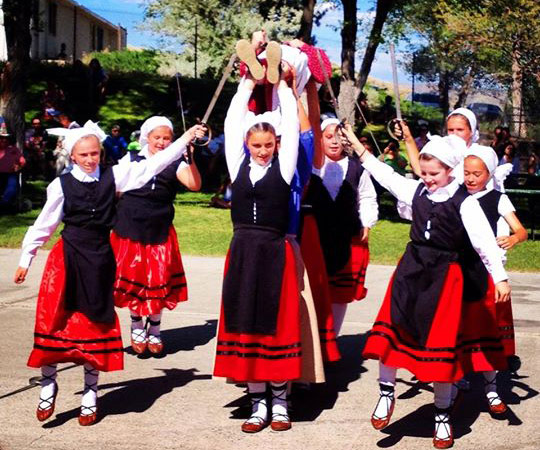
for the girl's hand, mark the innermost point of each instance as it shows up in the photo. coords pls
(20, 275)
(195, 132)
(365, 235)
(351, 137)
(401, 129)
(502, 292)
(507, 242)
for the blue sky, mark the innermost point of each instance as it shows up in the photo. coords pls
(129, 13)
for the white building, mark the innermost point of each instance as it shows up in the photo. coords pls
(82, 31)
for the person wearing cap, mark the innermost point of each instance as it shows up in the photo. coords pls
(114, 145)
(418, 326)
(489, 320)
(259, 336)
(11, 162)
(344, 204)
(150, 276)
(75, 317)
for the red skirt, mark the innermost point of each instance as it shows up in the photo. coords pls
(347, 285)
(438, 359)
(480, 341)
(318, 281)
(254, 357)
(69, 336)
(505, 323)
(149, 277)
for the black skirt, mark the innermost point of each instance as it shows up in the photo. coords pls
(252, 285)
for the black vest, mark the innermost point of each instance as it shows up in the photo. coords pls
(337, 220)
(266, 204)
(145, 214)
(89, 210)
(90, 205)
(490, 206)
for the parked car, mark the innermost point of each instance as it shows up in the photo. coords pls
(427, 99)
(486, 111)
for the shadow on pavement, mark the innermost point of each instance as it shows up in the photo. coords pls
(308, 404)
(181, 339)
(136, 395)
(420, 423)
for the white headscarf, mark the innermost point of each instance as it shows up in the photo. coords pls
(473, 123)
(329, 121)
(151, 124)
(486, 154)
(73, 135)
(271, 117)
(448, 149)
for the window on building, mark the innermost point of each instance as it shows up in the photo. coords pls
(97, 38)
(53, 10)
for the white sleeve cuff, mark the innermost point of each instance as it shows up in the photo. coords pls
(26, 260)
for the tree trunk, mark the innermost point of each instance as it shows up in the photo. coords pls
(347, 91)
(465, 89)
(383, 8)
(306, 23)
(17, 15)
(444, 88)
(519, 128)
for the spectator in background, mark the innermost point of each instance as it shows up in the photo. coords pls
(11, 162)
(497, 136)
(392, 157)
(62, 54)
(533, 163)
(115, 146)
(35, 143)
(510, 156)
(422, 139)
(52, 100)
(134, 145)
(365, 141)
(98, 81)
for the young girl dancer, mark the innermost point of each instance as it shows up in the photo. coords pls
(344, 204)
(418, 323)
(479, 166)
(150, 275)
(75, 318)
(259, 330)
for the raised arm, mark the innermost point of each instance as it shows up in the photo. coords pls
(412, 149)
(400, 187)
(288, 152)
(43, 228)
(234, 127)
(314, 111)
(137, 173)
(483, 240)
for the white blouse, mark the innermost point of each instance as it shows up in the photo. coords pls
(126, 177)
(234, 136)
(333, 174)
(473, 218)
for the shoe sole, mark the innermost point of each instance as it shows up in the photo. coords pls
(273, 59)
(246, 54)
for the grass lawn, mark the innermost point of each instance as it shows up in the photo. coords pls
(207, 231)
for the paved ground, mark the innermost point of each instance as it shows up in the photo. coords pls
(172, 402)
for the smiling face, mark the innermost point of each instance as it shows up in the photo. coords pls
(459, 125)
(261, 146)
(86, 153)
(476, 174)
(159, 139)
(434, 174)
(331, 144)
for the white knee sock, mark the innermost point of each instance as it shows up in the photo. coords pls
(259, 409)
(442, 393)
(48, 384)
(338, 311)
(490, 382)
(279, 401)
(89, 397)
(387, 383)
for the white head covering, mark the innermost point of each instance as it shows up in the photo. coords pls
(72, 135)
(486, 154)
(271, 117)
(151, 124)
(469, 115)
(329, 121)
(448, 149)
